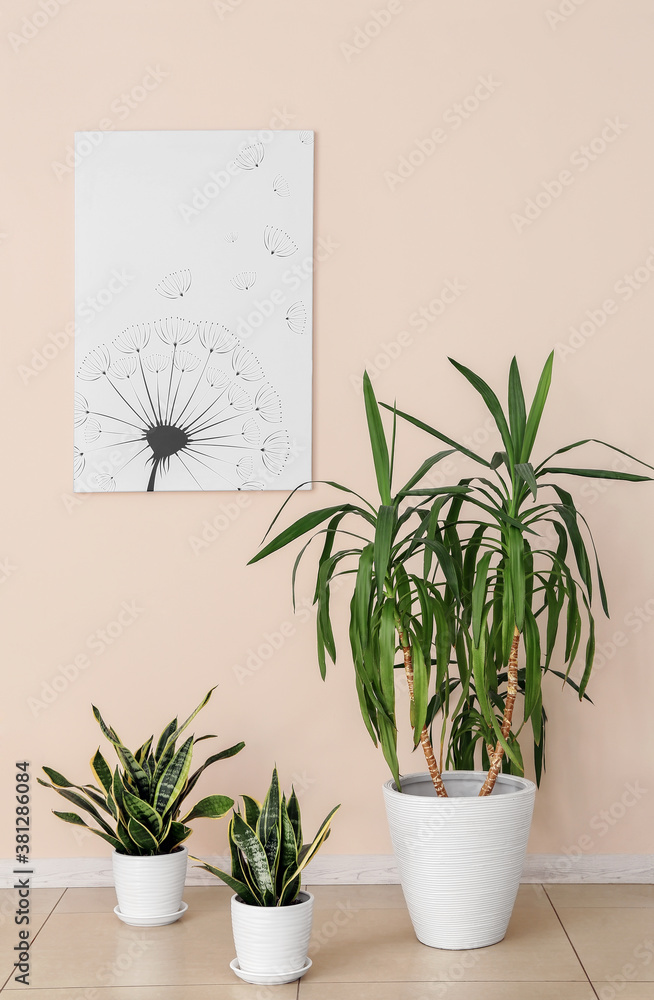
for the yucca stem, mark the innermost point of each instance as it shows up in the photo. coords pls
(425, 741)
(512, 691)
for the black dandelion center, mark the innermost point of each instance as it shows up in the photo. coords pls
(192, 396)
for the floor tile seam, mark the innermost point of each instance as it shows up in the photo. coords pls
(570, 941)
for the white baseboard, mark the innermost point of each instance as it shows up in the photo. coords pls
(349, 869)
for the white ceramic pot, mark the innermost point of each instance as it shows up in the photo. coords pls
(149, 890)
(272, 942)
(460, 858)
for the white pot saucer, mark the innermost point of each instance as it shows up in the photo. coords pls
(268, 978)
(166, 918)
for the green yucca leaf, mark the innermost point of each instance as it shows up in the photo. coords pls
(377, 442)
(493, 404)
(536, 409)
(526, 472)
(517, 412)
(386, 518)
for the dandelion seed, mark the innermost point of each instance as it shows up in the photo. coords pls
(174, 285)
(78, 461)
(95, 365)
(105, 483)
(275, 451)
(81, 409)
(254, 485)
(93, 430)
(246, 366)
(244, 280)
(278, 243)
(306, 137)
(250, 432)
(215, 337)
(123, 368)
(238, 398)
(216, 378)
(268, 404)
(175, 331)
(156, 363)
(186, 362)
(244, 467)
(296, 317)
(231, 237)
(251, 156)
(133, 339)
(281, 187)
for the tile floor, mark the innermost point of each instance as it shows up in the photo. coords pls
(565, 942)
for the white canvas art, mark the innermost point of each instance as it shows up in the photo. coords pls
(193, 297)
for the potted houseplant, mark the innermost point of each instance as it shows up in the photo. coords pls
(455, 578)
(136, 808)
(271, 916)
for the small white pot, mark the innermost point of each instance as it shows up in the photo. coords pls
(272, 941)
(460, 858)
(149, 890)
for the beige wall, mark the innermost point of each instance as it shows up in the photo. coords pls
(552, 82)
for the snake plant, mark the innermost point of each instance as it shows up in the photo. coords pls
(267, 852)
(137, 806)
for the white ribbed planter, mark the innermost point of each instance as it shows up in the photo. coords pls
(460, 858)
(272, 940)
(150, 889)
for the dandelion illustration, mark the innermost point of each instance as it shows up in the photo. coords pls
(306, 137)
(95, 365)
(81, 409)
(231, 237)
(246, 366)
(279, 243)
(268, 405)
(92, 431)
(174, 285)
(216, 337)
(171, 398)
(175, 331)
(280, 186)
(251, 156)
(245, 467)
(296, 317)
(275, 451)
(244, 280)
(123, 367)
(105, 483)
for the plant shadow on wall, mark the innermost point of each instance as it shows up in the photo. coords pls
(194, 402)
(458, 579)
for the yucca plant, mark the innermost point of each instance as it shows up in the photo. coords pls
(454, 578)
(137, 806)
(267, 852)
(514, 587)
